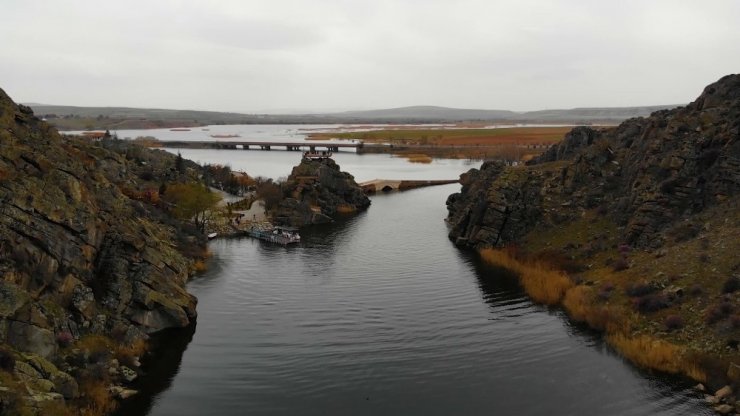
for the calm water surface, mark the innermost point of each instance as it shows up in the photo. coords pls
(381, 315)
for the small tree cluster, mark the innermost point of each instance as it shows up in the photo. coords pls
(191, 202)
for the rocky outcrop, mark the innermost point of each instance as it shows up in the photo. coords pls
(78, 258)
(317, 191)
(647, 174)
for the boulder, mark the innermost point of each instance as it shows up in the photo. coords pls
(128, 374)
(27, 337)
(724, 409)
(723, 393)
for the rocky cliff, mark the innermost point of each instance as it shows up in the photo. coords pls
(317, 191)
(86, 271)
(644, 218)
(647, 174)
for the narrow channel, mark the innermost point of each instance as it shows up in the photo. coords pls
(381, 314)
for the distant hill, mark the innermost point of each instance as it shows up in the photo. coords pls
(595, 113)
(80, 118)
(429, 112)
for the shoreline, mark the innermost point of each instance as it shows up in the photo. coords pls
(549, 286)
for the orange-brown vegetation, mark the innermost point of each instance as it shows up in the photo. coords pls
(581, 304)
(148, 141)
(199, 266)
(649, 352)
(346, 209)
(456, 137)
(513, 143)
(418, 158)
(545, 284)
(96, 398)
(542, 283)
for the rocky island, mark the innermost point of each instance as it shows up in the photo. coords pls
(317, 191)
(634, 230)
(90, 265)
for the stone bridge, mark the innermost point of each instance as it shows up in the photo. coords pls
(388, 185)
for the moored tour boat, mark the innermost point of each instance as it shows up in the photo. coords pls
(275, 234)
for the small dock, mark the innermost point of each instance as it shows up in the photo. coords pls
(388, 185)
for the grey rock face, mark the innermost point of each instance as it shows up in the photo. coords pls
(647, 174)
(318, 191)
(78, 257)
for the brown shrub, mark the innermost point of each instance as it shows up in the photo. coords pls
(129, 354)
(620, 264)
(673, 322)
(96, 398)
(718, 312)
(640, 289)
(650, 303)
(730, 285)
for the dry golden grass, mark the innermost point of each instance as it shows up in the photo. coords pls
(418, 158)
(97, 399)
(551, 287)
(581, 306)
(648, 352)
(94, 343)
(57, 409)
(542, 283)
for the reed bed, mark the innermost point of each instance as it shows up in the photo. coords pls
(541, 282)
(552, 287)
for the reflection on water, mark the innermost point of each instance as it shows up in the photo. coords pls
(161, 369)
(381, 314)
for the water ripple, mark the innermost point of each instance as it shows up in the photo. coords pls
(382, 315)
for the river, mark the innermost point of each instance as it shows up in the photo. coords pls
(381, 314)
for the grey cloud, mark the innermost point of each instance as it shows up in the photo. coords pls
(244, 55)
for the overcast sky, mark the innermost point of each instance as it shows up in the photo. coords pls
(319, 55)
